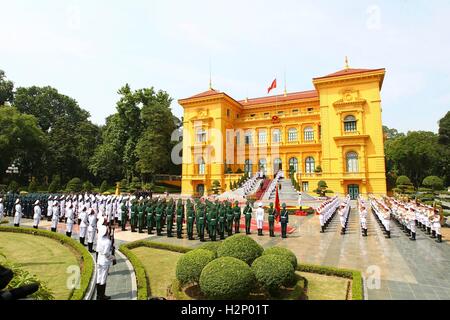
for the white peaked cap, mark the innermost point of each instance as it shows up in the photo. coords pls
(102, 230)
(260, 204)
(141, 198)
(17, 201)
(37, 202)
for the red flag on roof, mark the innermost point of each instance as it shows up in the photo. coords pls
(272, 86)
(277, 205)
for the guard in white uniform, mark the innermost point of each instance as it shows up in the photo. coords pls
(412, 223)
(260, 219)
(437, 225)
(92, 227)
(55, 216)
(104, 261)
(37, 214)
(2, 210)
(83, 224)
(363, 219)
(49, 208)
(17, 213)
(70, 212)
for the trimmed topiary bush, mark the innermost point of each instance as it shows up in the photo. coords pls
(191, 264)
(283, 252)
(273, 271)
(212, 246)
(74, 185)
(227, 278)
(434, 183)
(241, 247)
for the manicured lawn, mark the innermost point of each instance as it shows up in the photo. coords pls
(322, 287)
(43, 257)
(160, 266)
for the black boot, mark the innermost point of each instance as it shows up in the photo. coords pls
(322, 229)
(67, 234)
(388, 235)
(82, 240)
(105, 297)
(99, 293)
(90, 245)
(35, 227)
(428, 230)
(439, 238)
(413, 236)
(433, 234)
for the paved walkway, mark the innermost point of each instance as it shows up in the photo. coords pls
(121, 284)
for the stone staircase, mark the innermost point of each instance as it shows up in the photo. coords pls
(287, 191)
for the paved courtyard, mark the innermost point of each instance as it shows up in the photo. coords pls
(395, 268)
(407, 269)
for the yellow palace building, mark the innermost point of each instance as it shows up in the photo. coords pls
(333, 133)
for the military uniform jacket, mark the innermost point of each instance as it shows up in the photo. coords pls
(284, 216)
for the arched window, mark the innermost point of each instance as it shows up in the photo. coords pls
(201, 166)
(201, 135)
(350, 124)
(352, 162)
(293, 163)
(276, 136)
(308, 134)
(248, 167)
(292, 135)
(310, 165)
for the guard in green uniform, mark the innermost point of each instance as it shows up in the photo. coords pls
(141, 216)
(248, 217)
(222, 215)
(229, 219)
(201, 222)
(169, 215)
(284, 219)
(150, 217)
(159, 214)
(190, 220)
(237, 217)
(134, 216)
(272, 220)
(124, 215)
(213, 223)
(180, 218)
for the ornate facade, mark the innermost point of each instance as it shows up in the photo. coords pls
(333, 133)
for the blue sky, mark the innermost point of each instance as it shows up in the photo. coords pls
(89, 49)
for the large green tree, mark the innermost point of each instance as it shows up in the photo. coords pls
(444, 130)
(6, 89)
(71, 137)
(416, 155)
(21, 141)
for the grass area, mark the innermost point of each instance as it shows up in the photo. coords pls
(322, 287)
(43, 257)
(160, 267)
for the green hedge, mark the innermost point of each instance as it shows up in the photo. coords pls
(355, 276)
(143, 281)
(242, 247)
(273, 271)
(85, 258)
(141, 276)
(227, 278)
(191, 264)
(284, 252)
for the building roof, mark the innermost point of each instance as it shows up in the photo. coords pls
(349, 71)
(207, 93)
(311, 94)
